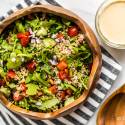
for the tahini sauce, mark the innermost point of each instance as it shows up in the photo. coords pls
(112, 22)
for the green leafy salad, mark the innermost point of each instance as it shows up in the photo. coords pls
(45, 62)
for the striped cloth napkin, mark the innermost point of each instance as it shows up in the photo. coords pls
(109, 72)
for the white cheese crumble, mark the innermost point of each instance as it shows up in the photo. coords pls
(13, 59)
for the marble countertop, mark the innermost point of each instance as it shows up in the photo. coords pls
(87, 10)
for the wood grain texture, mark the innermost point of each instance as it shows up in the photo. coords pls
(92, 41)
(112, 112)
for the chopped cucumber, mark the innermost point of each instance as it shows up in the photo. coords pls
(41, 32)
(5, 91)
(49, 104)
(49, 42)
(69, 100)
(32, 89)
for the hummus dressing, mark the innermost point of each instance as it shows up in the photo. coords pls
(112, 22)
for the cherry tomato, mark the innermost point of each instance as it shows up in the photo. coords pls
(24, 41)
(23, 86)
(62, 95)
(27, 34)
(62, 65)
(11, 74)
(24, 38)
(17, 96)
(31, 66)
(72, 31)
(20, 35)
(60, 36)
(62, 75)
(53, 89)
(2, 82)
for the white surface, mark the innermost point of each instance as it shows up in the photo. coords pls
(87, 10)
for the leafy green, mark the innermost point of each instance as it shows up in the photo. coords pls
(32, 89)
(49, 104)
(36, 77)
(69, 100)
(5, 91)
(6, 46)
(11, 85)
(24, 104)
(34, 24)
(49, 42)
(41, 32)
(67, 86)
(20, 27)
(2, 73)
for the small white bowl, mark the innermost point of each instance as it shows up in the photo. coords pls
(101, 9)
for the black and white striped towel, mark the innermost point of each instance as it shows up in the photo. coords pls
(109, 72)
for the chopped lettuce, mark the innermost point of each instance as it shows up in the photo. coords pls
(5, 91)
(49, 104)
(20, 27)
(69, 100)
(32, 89)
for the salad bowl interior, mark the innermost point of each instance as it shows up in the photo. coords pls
(95, 64)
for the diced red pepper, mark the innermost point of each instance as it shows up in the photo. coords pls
(17, 96)
(53, 89)
(23, 86)
(63, 75)
(60, 36)
(31, 66)
(62, 65)
(11, 74)
(72, 31)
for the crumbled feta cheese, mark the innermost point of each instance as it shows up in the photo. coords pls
(38, 40)
(30, 30)
(81, 37)
(38, 103)
(33, 40)
(58, 81)
(59, 88)
(22, 59)
(57, 40)
(53, 62)
(13, 59)
(53, 36)
(55, 57)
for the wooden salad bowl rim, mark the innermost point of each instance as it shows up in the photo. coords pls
(96, 67)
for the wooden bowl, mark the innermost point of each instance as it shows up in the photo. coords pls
(96, 67)
(112, 111)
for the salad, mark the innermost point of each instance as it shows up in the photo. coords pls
(45, 62)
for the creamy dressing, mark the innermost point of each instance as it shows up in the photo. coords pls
(112, 22)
